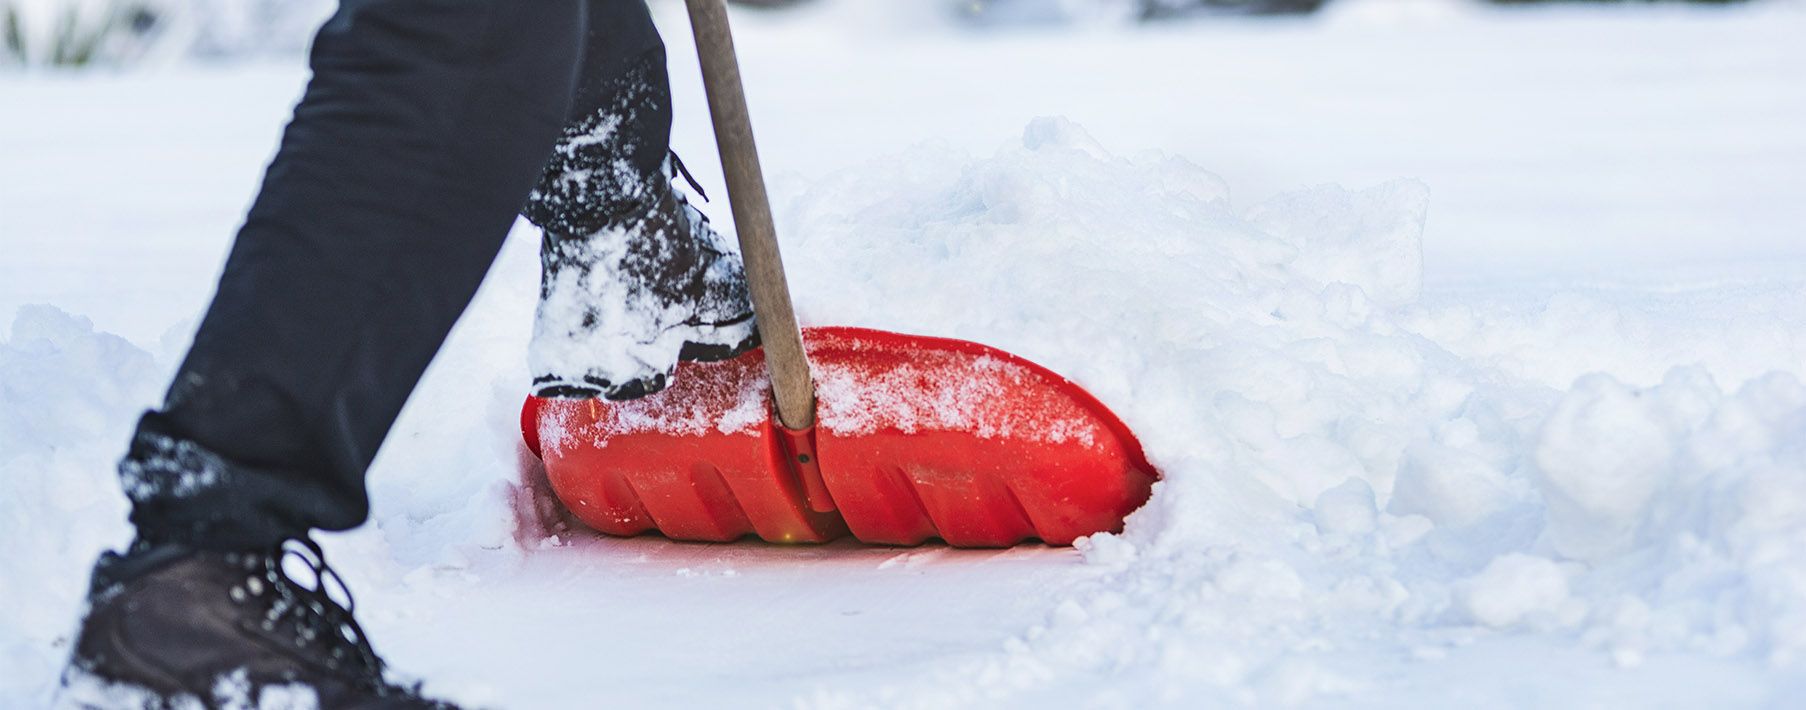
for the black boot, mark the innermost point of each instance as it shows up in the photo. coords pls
(634, 278)
(621, 305)
(172, 627)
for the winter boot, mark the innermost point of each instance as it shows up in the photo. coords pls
(634, 278)
(172, 627)
(622, 304)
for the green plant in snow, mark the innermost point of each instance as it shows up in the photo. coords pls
(75, 34)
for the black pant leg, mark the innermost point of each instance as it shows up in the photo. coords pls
(419, 137)
(609, 163)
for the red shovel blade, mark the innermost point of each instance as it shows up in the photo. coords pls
(915, 438)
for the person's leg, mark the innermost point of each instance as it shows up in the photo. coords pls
(419, 137)
(612, 150)
(634, 277)
(424, 128)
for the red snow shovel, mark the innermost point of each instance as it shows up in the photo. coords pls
(894, 438)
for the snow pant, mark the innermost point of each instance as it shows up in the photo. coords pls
(425, 127)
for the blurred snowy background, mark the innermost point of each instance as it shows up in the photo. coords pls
(128, 32)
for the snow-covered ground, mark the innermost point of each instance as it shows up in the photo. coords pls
(1511, 418)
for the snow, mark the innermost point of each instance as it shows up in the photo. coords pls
(986, 396)
(231, 691)
(1470, 345)
(1514, 587)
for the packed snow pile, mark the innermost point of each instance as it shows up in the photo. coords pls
(1338, 484)
(1371, 495)
(66, 393)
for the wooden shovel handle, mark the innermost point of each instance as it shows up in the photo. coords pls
(784, 355)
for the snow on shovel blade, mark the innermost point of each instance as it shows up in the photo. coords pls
(915, 438)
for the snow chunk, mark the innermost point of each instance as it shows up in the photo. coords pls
(1604, 454)
(1513, 588)
(1347, 509)
(1448, 485)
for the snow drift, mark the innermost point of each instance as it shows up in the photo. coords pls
(1332, 471)
(1368, 495)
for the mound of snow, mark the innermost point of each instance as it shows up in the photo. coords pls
(1515, 587)
(1369, 493)
(68, 399)
(1337, 483)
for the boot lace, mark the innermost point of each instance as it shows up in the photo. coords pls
(678, 164)
(316, 620)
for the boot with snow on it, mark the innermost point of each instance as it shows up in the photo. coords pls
(173, 627)
(633, 277)
(620, 306)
